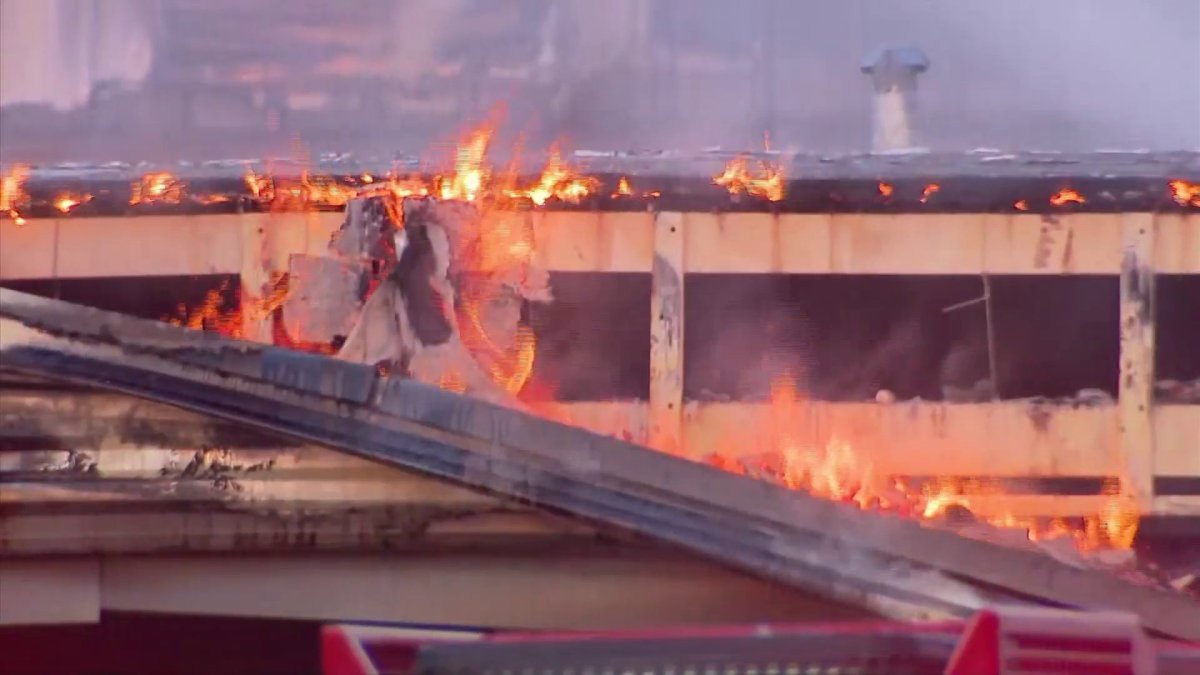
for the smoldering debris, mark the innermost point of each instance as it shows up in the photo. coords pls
(423, 305)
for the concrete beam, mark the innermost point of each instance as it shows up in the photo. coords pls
(537, 590)
(588, 241)
(49, 591)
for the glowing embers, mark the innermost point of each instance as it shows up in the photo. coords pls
(765, 179)
(1067, 196)
(300, 193)
(12, 192)
(157, 188)
(66, 202)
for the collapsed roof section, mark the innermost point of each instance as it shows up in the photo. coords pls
(888, 564)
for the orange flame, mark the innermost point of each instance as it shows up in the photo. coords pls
(12, 192)
(560, 181)
(929, 191)
(1185, 193)
(407, 187)
(278, 289)
(767, 182)
(262, 187)
(471, 171)
(836, 471)
(832, 472)
(211, 315)
(1067, 196)
(210, 198)
(1021, 205)
(886, 190)
(623, 188)
(325, 191)
(160, 187)
(67, 201)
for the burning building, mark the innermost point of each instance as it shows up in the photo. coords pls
(954, 357)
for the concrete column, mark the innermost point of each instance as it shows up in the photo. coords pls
(666, 334)
(1135, 388)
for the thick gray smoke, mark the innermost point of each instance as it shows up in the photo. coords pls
(136, 78)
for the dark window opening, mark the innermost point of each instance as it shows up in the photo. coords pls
(144, 297)
(1177, 337)
(849, 337)
(594, 339)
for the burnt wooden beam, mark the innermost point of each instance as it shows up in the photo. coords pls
(888, 564)
(90, 420)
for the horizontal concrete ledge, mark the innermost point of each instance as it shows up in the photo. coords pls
(552, 590)
(887, 186)
(532, 591)
(590, 241)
